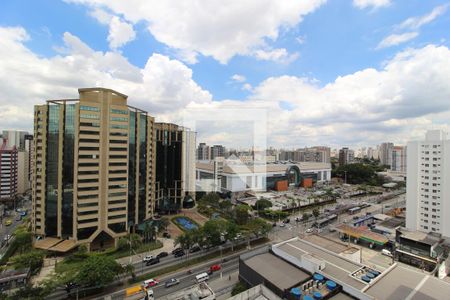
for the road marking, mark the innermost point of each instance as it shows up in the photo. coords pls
(418, 287)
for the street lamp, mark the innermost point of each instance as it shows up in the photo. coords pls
(221, 260)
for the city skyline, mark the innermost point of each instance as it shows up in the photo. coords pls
(376, 71)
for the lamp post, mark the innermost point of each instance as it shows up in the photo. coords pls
(221, 260)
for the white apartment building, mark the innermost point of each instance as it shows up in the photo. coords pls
(428, 184)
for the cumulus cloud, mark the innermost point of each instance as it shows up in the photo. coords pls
(210, 28)
(395, 102)
(362, 4)
(396, 39)
(120, 31)
(27, 79)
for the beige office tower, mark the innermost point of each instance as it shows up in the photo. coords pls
(94, 173)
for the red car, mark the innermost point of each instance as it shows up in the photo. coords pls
(214, 268)
(150, 283)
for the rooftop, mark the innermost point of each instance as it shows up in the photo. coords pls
(230, 168)
(419, 236)
(276, 270)
(331, 245)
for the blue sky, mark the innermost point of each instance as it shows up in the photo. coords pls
(271, 50)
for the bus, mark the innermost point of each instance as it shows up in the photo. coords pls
(325, 221)
(354, 210)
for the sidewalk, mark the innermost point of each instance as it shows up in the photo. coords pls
(167, 247)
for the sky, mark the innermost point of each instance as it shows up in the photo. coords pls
(307, 72)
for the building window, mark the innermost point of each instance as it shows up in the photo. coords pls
(119, 111)
(89, 108)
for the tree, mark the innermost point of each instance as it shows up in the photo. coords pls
(305, 217)
(98, 270)
(123, 244)
(315, 213)
(211, 199)
(32, 259)
(241, 214)
(184, 240)
(262, 204)
(164, 223)
(214, 230)
(149, 232)
(135, 241)
(259, 227)
(23, 241)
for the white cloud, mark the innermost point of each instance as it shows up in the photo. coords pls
(415, 23)
(247, 87)
(120, 31)
(412, 26)
(27, 79)
(209, 27)
(278, 55)
(238, 78)
(396, 39)
(362, 4)
(396, 102)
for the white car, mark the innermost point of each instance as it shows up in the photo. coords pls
(282, 225)
(309, 230)
(148, 258)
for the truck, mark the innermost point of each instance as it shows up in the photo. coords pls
(138, 293)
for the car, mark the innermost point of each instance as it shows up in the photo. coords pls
(179, 253)
(8, 222)
(148, 258)
(282, 225)
(286, 221)
(274, 224)
(153, 261)
(18, 218)
(162, 254)
(7, 237)
(23, 213)
(238, 236)
(386, 252)
(176, 250)
(195, 248)
(166, 235)
(171, 282)
(150, 295)
(214, 268)
(150, 283)
(355, 218)
(309, 230)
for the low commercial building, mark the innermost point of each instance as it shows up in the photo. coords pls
(234, 176)
(419, 249)
(358, 280)
(259, 292)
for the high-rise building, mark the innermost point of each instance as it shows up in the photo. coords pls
(217, 151)
(313, 154)
(15, 138)
(8, 171)
(386, 153)
(428, 184)
(94, 174)
(398, 159)
(175, 166)
(346, 156)
(203, 152)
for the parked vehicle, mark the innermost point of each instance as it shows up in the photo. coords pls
(153, 261)
(23, 213)
(179, 253)
(150, 283)
(18, 218)
(171, 282)
(166, 235)
(8, 222)
(162, 254)
(386, 252)
(309, 230)
(195, 248)
(202, 277)
(176, 250)
(147, 258)
(286, 221)
(282, 224)
(214, 268)
(7, 237)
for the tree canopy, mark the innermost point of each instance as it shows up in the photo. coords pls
(98, 270)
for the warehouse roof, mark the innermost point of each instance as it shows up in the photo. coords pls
(277, 271)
